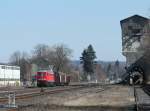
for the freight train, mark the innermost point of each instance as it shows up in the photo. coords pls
(136, 49)
(49, 78)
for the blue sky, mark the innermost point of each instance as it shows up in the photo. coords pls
(76, 23)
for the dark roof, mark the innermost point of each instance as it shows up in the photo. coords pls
(8, 64)
(4, 63)
(134, 16)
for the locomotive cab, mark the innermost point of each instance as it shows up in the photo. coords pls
(45, 78)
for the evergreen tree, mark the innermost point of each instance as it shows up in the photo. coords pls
(87, 59)
(117, 69)
(117, 63)
(109, 69)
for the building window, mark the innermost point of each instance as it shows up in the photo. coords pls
(136, 31)
(3, 67)
(130, 27)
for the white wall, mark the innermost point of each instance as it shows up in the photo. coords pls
(9, 74)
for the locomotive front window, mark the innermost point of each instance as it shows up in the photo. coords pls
(41, 74)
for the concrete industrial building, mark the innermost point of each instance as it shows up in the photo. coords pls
(136, 48)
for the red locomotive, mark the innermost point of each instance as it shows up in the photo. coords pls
(49, 78)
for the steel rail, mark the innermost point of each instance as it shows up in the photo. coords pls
(44, 92)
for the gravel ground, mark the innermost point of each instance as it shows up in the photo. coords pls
(113, 98)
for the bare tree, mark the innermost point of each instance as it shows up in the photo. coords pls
(21, 59)
(15, 58)
(59, 57)
(100, 74)
(41, 50)
(40, 55)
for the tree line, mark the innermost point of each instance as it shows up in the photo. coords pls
(57, 56)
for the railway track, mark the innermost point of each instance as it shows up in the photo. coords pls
(29, 93)
(142, 98)
(82, 91)
(38, 92)
(19, 92)
(22, 90)
(73, 96)
(82, 95)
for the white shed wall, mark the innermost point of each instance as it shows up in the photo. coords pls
(9, 75)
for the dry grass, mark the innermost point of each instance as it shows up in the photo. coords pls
(116, 98)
